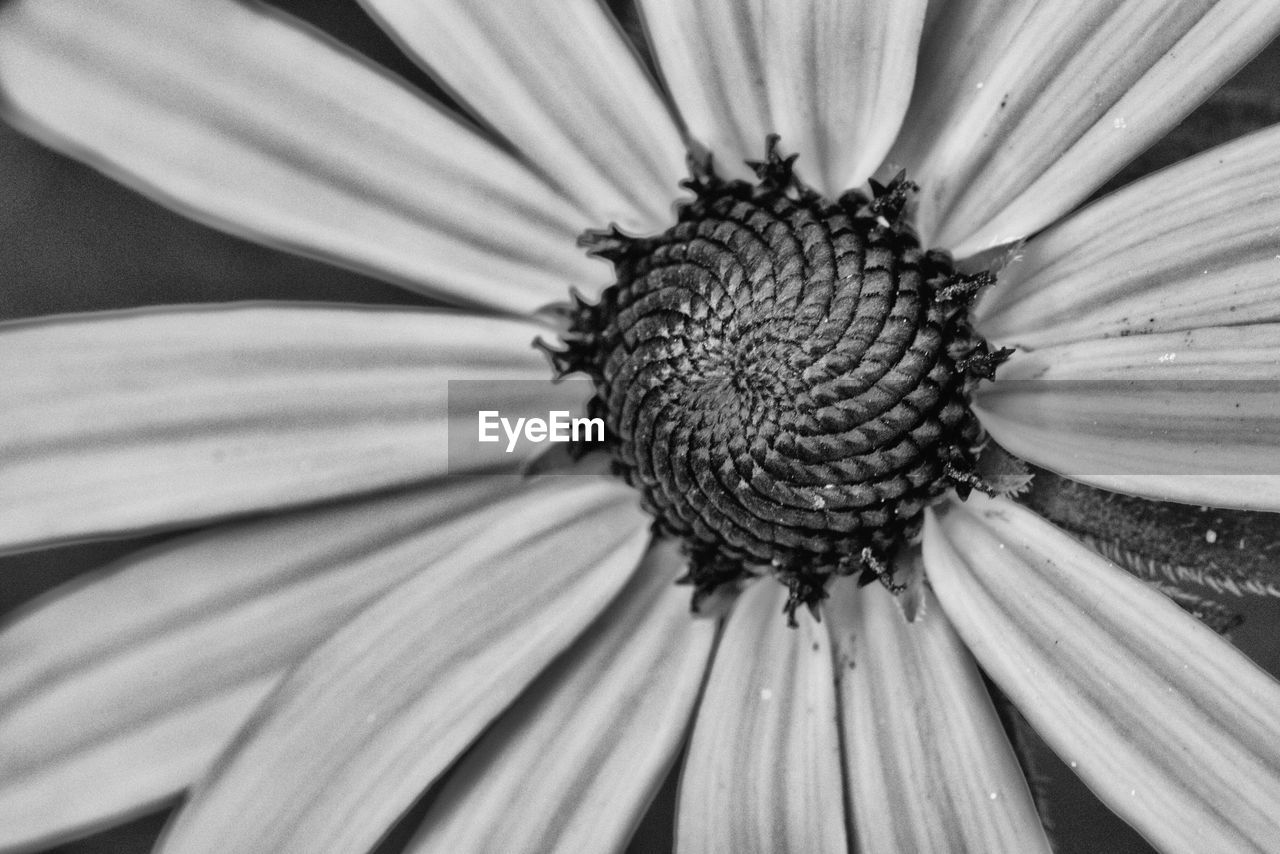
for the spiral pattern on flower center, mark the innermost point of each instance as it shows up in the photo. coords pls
(783, 377)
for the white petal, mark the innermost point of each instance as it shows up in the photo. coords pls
(833, 78)
(1190, 416)
(125, 421)
(763, 769)
(1172, 727)
(121, 688)
(250, 122)
(1024, 109)
(928, 763)
(365, 724)
(1192, 246)
(560, 83)
(573, 764)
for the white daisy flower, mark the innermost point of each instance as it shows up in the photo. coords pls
(367, 614)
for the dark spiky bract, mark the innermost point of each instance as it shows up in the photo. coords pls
(784, 378)
(1179, 548)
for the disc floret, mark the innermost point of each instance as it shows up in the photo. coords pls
(784, 378)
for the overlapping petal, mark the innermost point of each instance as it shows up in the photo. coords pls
(1022, 110)
(574, 763)
(253, 123)
(927, 760)
(130, 420)
(833, 78)
(1195, 245)
(763, 768)
(561, 84)
(120, 689)
(365, 724)
(1169, 724)
(1190, 416)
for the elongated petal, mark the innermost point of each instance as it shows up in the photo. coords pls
(560, 82)
(1189, 416)
(763, 770)
(130, 420)
(833, 78)
(367, 722)
(1192, 246)
(1175, 729)
(253, 123)
(574, 763)
(1024, 109)
(120, 689)
(928, 763)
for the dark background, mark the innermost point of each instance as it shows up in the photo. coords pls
(71, 240)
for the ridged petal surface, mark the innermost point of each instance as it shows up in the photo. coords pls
(833, 78)
(574, 763)
(1172, 727)
(243, 118)
(1023, 109)
(1195, 245)
(1191, 416)
(119, 689)
(128, 421)
(561, 84)
(762, 773)
(927, 760)
(374, 715)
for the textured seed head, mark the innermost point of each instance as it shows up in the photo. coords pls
(783, 378)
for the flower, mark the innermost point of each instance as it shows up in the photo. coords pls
(357, 617)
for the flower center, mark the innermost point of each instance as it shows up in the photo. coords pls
(784, 378)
